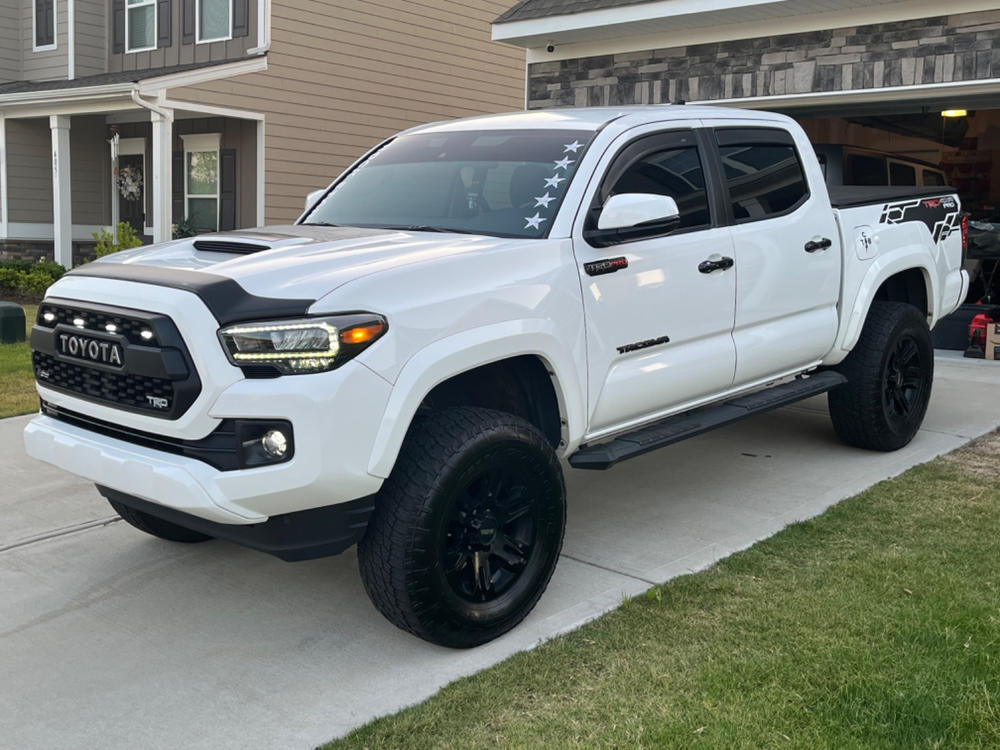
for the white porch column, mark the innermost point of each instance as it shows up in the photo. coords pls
(162, 181)
(62, 210)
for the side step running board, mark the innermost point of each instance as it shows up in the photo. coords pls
(682, 426)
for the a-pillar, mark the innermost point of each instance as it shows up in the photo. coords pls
(162, 185)
(62, 209)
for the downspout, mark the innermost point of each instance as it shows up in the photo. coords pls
(263, 29)
(162, 120)
(71, 39)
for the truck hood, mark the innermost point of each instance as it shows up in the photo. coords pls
(301, 261)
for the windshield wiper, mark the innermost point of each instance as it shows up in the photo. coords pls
(319, 224)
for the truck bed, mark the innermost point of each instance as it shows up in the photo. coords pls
(848, 196)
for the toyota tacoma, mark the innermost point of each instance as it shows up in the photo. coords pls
(471, 307)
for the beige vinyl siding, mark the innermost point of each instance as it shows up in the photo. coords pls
(10, 41)
(183, 54)
(29, 176)
(90, 170)
(48, 65)
(343, 76)
(91, 37)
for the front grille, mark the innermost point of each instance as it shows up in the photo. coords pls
(95, 320)
(156, 377)
(133, 391)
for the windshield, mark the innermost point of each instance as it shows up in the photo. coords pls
(506, 183)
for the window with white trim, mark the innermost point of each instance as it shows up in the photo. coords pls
(215, 20)
(44, 24)
(140, 25)
(201, 180)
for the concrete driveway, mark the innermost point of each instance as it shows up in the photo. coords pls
(112, 639)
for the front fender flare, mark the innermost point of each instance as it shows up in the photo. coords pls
(465, 351)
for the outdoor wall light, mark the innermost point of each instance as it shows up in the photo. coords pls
(955, 113)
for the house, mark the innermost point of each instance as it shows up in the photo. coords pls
(222, 112)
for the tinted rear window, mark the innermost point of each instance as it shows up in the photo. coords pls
(764, 180)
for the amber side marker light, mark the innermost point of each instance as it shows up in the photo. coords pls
(362, 334)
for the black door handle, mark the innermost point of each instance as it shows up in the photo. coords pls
(821, 244)
(707, 266)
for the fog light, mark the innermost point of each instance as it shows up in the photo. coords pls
(274, 443)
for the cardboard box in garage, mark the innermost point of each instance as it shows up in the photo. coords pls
(993, 340)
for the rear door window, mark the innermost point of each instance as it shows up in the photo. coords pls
(763, 173)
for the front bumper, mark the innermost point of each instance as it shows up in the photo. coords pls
(335, 417)
(303, 535)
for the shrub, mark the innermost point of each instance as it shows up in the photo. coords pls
(26, 278)
(127, 239)
(184, 228)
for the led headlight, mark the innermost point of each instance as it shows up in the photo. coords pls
(301, 346)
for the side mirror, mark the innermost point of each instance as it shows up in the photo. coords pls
(634, 216)
(314, 196)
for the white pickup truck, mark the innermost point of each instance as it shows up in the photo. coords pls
(471, 302)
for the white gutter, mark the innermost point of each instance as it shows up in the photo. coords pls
(71, 40)
(166, 114)
(263, 28)
(68, 95)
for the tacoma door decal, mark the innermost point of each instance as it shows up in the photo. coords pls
(940, 215)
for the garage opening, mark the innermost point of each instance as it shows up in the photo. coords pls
(925, 144)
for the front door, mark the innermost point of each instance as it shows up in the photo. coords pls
(659, 327)
(131, 192)
(788, 253)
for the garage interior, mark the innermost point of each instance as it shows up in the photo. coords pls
(962, 140)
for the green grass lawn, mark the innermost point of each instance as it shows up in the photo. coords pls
(876, 625)
(17, 384)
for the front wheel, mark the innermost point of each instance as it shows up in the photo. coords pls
(467, 529)
(889, 376)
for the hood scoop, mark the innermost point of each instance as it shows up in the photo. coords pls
(229, 245)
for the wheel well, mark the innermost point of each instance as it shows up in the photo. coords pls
(906, 286)
(521, 386)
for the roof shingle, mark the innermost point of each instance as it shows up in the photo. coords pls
(527, 9)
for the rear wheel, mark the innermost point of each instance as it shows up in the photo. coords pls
(467, 530)
(889, 372)
(157, 526)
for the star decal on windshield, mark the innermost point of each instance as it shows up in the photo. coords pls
(572, 147)
(554, 181)
(534, 222)
(563, 163)
(543, 200)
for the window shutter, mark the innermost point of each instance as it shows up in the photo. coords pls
(227, 189)
(187, 21)
(241, 18)
(178, 210)
(118, 26)
(163, 26)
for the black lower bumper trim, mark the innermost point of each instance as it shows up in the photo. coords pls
(303, 535)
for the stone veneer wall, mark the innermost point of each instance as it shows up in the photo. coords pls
(926, 50)
(36, 250)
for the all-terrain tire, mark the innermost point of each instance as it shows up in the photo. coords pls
(467, 529)
(889, 376)
(157, 526)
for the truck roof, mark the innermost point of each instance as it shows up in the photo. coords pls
(594, 118)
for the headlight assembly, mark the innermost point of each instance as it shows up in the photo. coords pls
(301, 346)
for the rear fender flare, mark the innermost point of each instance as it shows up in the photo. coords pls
(883, 268)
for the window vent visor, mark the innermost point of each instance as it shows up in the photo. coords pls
(229, 246)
